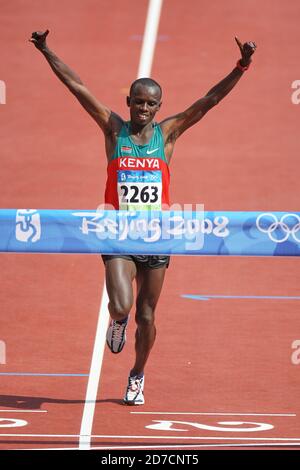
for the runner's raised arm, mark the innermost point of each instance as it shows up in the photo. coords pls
(105, 118)
(174, 126)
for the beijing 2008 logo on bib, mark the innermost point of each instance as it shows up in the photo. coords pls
(28, 225)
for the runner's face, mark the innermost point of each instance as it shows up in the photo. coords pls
(144, 104)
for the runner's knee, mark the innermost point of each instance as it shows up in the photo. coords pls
(119, 309)
(145, 312)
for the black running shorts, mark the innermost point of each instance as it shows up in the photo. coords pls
(152, 262)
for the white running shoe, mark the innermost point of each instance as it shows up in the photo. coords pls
(134, 392)
(116, 336)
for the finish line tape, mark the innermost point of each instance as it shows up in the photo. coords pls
(150, 233)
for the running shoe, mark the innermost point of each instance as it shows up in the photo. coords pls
(116, 335)
(134, 392)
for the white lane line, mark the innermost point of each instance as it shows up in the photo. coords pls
(145, 64)
(150, 37)
(197, 446)
(94, 376)
(184, 446)
(179, 438)
(209, 414)
(2, 92)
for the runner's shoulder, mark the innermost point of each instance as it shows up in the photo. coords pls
(169, 129)
(115, 125)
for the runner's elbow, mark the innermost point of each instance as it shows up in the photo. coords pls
(214, 99)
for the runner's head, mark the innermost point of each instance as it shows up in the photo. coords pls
(144, 100)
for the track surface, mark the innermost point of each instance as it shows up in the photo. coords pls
(216, 360)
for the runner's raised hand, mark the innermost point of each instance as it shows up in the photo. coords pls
(247, 49)
(39, 38)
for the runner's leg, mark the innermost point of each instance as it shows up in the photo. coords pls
(149, 285)
(120, 273)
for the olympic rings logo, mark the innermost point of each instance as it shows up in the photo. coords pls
(279, 230)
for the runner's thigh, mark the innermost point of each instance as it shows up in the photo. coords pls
(120, 273)
(149, 286)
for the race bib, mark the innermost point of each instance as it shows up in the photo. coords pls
(139, 190)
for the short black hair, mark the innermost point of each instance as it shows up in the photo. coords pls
(149, 82)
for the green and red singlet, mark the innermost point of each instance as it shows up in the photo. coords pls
(138, 176)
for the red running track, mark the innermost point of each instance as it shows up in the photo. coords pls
(217, 360)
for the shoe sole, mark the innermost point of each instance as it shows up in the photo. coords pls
(133, 403)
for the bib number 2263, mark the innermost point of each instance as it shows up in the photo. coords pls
(136, 194)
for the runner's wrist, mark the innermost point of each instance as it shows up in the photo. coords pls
(243, 65)
(43, 48)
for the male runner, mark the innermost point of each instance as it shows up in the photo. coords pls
(138, 151)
